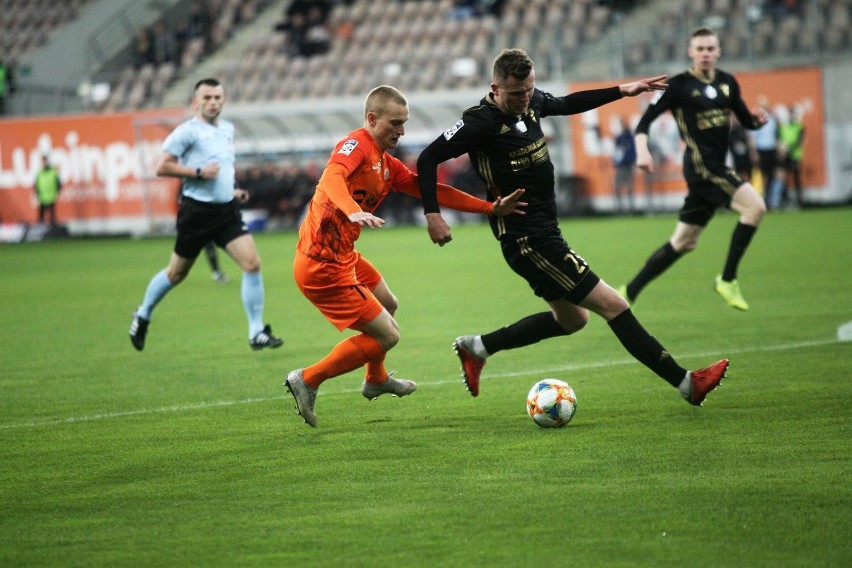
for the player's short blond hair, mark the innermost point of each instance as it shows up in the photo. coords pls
(379, 98)
(702, 32)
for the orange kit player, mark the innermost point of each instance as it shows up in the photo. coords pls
(348, 290)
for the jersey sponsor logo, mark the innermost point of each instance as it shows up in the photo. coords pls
(348, 147)
(449, 133)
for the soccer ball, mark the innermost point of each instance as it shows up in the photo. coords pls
(551, 403)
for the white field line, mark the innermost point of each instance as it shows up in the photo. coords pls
(527, 372)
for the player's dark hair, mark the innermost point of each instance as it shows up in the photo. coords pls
(512, 63)
(210, 82)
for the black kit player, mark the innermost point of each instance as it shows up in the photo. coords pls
(504, 140)
(702, 100)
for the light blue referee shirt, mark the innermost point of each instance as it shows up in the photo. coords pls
(766, 137)
(197, 143)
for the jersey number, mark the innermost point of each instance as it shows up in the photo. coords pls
(579, 263)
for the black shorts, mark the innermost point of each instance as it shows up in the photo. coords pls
(549, 266)
(198, 223)
(709, 190)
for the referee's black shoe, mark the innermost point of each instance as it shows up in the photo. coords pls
(265, 339)
(138, 331)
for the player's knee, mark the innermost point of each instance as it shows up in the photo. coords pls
(251, 265)
(391, 304)
(756, 212)
(176, 275)
(389, 340)
(688, 246)
(575, 323)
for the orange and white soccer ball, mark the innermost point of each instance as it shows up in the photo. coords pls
(551, 403)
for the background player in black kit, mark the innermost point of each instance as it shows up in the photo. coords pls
(702, 100)
(507, 147)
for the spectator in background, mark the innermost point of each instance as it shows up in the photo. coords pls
(765, 141)
(317, 37)
(294, 191)
(792, 137)
(142, 53)
(295, 26)
(163, 44)
(624, 162)
(249, 178)
(264, 186)
(6, 84)
(305, 24)
(198, 21)
(743, 154)
(780, 9)
(47, 188)
(399, 208)
(464, 175)
(463, 9)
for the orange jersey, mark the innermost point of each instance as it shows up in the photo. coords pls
(327, 234)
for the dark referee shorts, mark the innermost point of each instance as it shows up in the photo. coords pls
(549, 266)
(198, 223)
(710, 189)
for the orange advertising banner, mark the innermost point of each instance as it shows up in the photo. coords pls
(594, 132)
(106, 165)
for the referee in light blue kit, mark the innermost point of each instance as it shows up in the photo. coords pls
(201, 153)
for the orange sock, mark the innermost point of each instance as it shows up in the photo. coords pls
(376, 372)
(348, 355)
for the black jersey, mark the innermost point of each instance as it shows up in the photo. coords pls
(508, 152)
(702, 110)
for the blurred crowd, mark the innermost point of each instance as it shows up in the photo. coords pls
(280, 189)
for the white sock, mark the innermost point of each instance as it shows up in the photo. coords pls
(479, 347)
(253, 296)
(685, 386)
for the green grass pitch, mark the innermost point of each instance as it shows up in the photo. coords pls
(192, 454)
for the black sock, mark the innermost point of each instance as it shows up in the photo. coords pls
(523, 332)
(657, 263)
(212, 257)
(645, 348)
(739, 243)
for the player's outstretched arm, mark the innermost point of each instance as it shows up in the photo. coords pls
(657, 83)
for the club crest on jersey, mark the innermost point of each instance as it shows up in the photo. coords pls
(726, 90)
(449, 133)
(387, 174)
(348, 146)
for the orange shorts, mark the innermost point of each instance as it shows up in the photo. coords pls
(343, 294)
